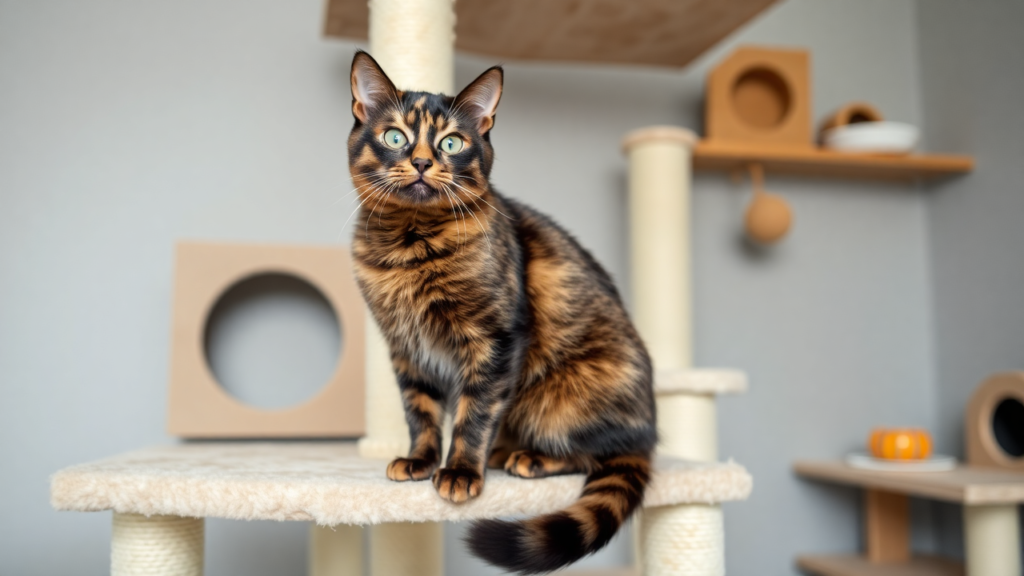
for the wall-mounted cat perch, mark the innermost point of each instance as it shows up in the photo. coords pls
(738, 156)
(758, 119)
(758, 111)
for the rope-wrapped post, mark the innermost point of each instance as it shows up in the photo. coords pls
(683, 541)
(156, 546)
(414, 42)
(678, 540)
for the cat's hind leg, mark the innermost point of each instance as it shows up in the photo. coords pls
(533, 464)
(498, 457)
(504, 445)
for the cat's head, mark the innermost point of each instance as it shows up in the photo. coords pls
(415, 148)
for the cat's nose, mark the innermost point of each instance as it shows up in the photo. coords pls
(422, 164)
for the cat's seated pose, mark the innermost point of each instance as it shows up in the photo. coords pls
(497, 315)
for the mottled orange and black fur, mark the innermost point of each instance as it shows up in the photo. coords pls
(497, 315)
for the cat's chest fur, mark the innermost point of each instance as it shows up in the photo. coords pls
(418, 310)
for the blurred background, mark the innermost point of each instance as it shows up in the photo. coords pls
(127, 126)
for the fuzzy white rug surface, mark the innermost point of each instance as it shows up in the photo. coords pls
(328, 483)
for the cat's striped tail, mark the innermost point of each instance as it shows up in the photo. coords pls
(551, 541)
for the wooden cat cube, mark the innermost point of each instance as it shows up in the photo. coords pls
(199, 407)
(760, 96)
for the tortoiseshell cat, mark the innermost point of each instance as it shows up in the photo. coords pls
(496, 314)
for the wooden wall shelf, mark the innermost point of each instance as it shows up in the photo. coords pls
(855, 565)
(964, 485)
(649, 32)
(991, 497)
(828, 163)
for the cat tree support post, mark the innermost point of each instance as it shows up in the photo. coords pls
(992, 540)
(414, 42)
(156, 545)
(678, 540)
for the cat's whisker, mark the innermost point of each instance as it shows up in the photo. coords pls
(478, 223)
(398, 105)
(353, 213)
(373, 179)
(455, 215)
(457, 109)
(465, 221)
(338, 201)
(350, 192)
(482, 198)
(471, 210)
(368, 183)
(386, 193)
(382, 212)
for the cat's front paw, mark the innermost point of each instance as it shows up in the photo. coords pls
(458, 484)
(404, 469)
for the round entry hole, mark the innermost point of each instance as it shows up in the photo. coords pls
(761, 98)
(272, 341)
(1008, 427)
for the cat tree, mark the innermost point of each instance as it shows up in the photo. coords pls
(160, 496)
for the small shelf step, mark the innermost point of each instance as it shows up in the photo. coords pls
(855, 565)
(720, 156)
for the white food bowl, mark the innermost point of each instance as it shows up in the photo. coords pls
(882, 137)
(936, 463)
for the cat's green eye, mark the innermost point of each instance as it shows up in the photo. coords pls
(452, 144)
(395, 139)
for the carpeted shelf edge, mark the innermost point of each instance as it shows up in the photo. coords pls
(328, 484)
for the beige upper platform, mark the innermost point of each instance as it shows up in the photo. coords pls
(328, 483)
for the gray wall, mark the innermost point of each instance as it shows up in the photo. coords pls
(972, 83)
(128, 126)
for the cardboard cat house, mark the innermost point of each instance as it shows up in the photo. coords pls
(198, 406)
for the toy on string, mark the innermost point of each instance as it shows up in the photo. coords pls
(768, 217)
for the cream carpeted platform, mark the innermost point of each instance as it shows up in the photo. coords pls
(328, 483)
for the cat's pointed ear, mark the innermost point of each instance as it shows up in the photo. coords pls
(480, 99)
(371, 87)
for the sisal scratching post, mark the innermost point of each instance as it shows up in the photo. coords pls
(414, 42)
(677, 540)
(156, 546)
(683, 541)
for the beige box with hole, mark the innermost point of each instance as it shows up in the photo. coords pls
(760, 95)
(198, 406)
